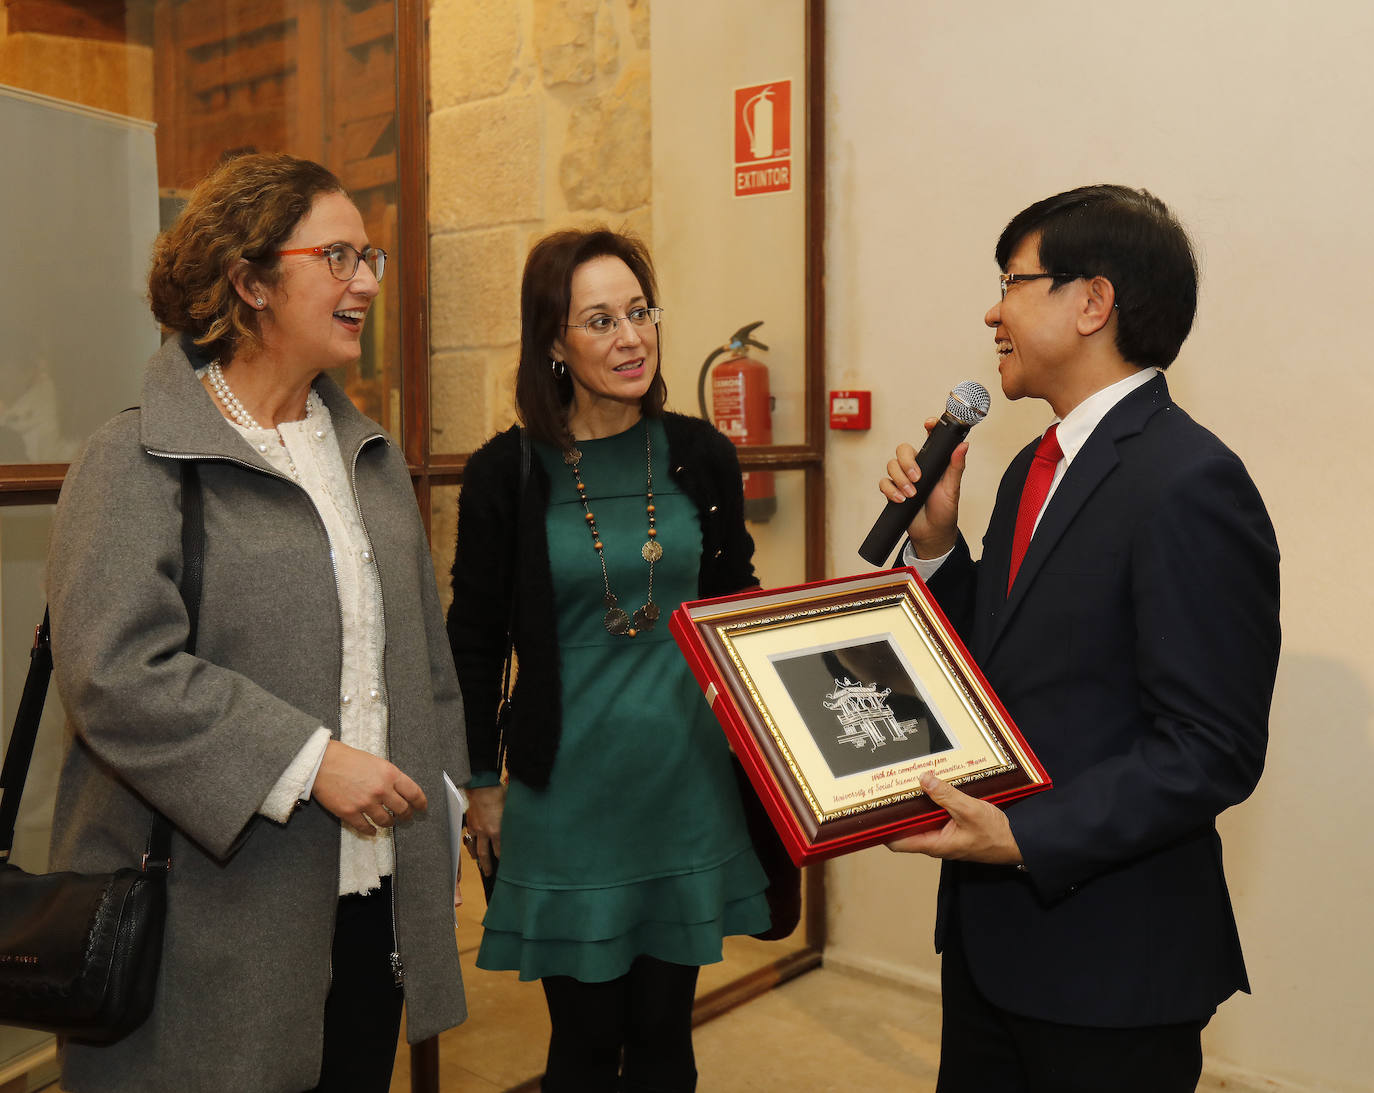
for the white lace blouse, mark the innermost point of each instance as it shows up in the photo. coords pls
(308, 451)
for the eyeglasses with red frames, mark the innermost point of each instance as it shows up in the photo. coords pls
(343, 259)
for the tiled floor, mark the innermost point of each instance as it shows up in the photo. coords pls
(823, 1031)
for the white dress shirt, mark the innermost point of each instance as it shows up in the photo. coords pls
(1074, 431)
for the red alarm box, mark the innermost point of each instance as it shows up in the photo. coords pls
(851, 409)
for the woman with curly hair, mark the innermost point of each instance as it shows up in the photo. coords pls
(299, 751)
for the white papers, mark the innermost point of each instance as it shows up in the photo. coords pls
(457, 806)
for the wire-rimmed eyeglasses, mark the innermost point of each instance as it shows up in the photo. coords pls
(606, 324)
(1009, 279)
(343, 259)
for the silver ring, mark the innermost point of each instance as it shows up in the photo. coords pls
(468, 840)
(388, 811)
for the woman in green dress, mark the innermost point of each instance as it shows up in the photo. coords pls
(624, 855)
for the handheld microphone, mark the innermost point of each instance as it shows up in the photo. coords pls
(966, 406)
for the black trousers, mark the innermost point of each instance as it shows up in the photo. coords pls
(362, 1015)
(984, 1049)
(632, 1034)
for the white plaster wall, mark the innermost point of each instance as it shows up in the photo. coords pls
(1255, 122)
(724, 261)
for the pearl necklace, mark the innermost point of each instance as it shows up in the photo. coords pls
(232, 406)
(240, 416)
(616, 620)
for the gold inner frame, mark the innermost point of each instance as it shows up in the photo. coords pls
(996, 750)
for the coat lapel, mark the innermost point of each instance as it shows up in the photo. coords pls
(1093, 463)
(179, 419)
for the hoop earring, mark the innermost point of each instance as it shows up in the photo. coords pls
(558, 368)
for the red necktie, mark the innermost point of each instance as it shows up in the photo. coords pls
(1033, 494)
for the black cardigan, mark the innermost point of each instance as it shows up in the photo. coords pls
(486, 570)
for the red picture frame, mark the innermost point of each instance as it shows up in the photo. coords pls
(837, 695)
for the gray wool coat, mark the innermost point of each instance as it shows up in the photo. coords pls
(251, 903)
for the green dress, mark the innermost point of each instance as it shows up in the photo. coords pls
(638, 846)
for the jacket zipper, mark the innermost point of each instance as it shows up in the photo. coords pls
(398, 972)
(397, 968)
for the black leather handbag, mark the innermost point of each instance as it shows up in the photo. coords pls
(79, 953)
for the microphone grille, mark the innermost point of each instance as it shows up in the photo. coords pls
(969, 403)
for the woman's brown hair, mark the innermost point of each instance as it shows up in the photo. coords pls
(245, 209)
(541, 395)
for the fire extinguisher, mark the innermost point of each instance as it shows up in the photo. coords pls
(742, 409)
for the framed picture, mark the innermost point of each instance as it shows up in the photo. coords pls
(838, 695)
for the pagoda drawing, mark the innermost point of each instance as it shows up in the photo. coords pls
(865, 716)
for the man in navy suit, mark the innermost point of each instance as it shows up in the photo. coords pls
(1087, 931)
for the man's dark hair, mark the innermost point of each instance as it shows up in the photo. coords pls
(1132, 239)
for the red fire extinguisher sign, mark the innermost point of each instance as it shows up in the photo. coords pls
(763, 138)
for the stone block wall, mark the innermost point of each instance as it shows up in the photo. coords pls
(540, 119)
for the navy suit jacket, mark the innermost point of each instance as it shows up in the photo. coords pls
(1137, 653)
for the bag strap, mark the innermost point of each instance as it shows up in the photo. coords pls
(502, 710)
(20, 751)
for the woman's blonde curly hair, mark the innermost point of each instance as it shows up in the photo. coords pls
(245, 209)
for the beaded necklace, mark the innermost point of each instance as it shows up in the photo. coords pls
(616, 621)
(240, 416)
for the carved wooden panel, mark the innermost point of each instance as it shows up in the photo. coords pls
(316, 78)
